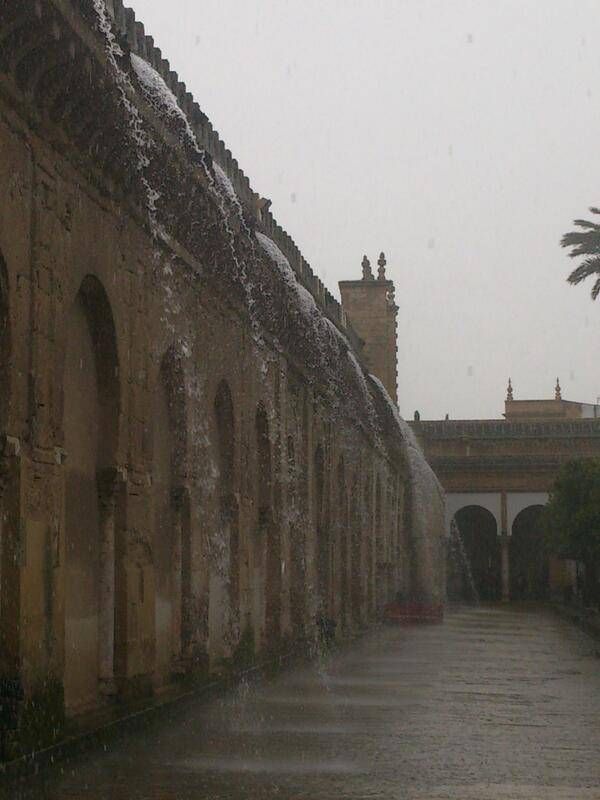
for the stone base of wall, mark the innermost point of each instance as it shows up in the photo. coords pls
(30, 753)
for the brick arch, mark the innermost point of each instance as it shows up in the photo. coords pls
(516, 502)
(491, 501)
(480, 545)
(90, 411)
(529, 557)
(486, 513)
(93, 302)
(532, 508)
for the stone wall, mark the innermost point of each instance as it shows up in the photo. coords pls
(193, 460)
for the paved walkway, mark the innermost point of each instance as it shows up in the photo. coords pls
(495, 703)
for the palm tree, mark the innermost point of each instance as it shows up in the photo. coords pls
(585, 243)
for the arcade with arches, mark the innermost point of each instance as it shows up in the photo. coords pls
(496, 547)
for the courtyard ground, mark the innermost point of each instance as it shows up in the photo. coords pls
(497, 702)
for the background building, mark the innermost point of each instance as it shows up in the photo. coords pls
(497, 475)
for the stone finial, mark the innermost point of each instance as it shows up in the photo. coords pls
(262, 205)
(509, 390)
(366, 269)
(381, 271)
(557, 391)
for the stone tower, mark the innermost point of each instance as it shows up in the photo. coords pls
(370, 305)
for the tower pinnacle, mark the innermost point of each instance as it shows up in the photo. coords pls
(509, 390)
(381, 271)
(371, 308)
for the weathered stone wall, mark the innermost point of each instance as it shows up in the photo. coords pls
(193, 461)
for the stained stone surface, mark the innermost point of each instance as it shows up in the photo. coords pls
(496, 703)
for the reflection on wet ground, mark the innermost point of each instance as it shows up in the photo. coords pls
(495, 703)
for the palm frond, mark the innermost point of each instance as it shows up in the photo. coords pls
(588, 240)
(584, 250)
(591, 266)
(584, 223)
(585, 242)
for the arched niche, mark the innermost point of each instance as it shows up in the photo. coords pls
(91, 405)
(265, 478)
(379, 531)
(171, 541)
(356, 535)
(477, 555)
(268, 530)
(529, 556)
(297, 543)
(380, 544)
(342, 504)
(322, 533)
(228, 510)
(223, 409)
(369, 534)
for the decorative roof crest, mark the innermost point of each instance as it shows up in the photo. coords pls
(381, 271)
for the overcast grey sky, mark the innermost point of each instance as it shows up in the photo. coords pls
(459, 136)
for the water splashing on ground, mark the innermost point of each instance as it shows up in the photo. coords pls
(496, 703)
(460, 565)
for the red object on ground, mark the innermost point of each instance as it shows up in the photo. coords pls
(413, 612)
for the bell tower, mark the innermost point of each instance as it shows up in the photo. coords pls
(371, 307)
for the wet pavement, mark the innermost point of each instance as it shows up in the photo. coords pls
(499, 703)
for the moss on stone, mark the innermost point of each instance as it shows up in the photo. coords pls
(42, 719)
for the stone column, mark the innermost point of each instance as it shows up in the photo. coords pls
(505, 567)
(107, 496)
(504, 551)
